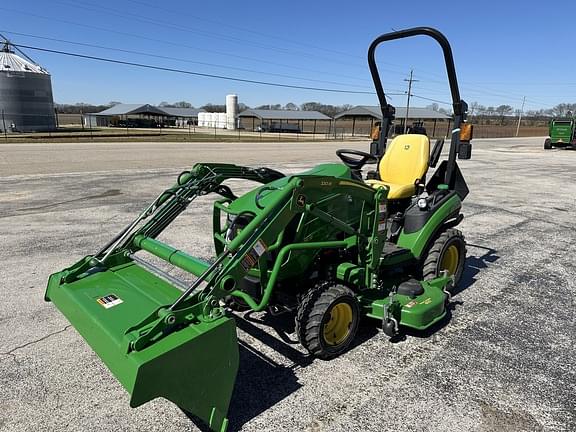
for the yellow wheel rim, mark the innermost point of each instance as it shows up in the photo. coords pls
(450, 260)
(337, 329)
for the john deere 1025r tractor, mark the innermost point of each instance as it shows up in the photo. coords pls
(326, 245)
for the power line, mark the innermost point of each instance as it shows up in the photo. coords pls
(187, 72)
(470, 87)
(432, 100)
(211, 35)
(475, 90)
(228, 78)
(178, 59)
(93, 7)
(227, 37)
(245, 30)
(177, 44)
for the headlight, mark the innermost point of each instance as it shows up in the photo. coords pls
(422, 203)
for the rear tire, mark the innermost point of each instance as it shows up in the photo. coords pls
(547, 144)
(327, 320)
(448, 252)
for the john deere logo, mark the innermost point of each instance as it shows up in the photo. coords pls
(301, 200)
(407, 147)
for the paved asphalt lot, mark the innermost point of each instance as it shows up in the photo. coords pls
(506, 360)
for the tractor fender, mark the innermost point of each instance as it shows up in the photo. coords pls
(445, 215)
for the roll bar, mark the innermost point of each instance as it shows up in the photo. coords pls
(459, 106)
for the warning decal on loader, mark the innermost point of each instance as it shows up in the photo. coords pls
(251, 258)
(109, 301)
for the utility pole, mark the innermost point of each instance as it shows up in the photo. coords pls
(410, 81)
(520, 116)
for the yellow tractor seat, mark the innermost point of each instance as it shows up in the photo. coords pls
(403, 166)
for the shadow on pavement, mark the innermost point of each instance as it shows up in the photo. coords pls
(474, 265)
(262, 382)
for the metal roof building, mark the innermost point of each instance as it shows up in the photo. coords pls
(282, 120)
(182, 112)
(108, 116)
(263, 114)
(366, 115)
(130, 109)
(415, 113)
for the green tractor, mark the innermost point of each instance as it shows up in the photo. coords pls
(562, 133)
(326, 245)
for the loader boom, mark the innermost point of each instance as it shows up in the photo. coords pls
(155, 319)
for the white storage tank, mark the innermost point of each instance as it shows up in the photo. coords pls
(231, 111)
(26, 103)
(221, 121)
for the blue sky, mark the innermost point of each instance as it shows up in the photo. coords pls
(503, 50)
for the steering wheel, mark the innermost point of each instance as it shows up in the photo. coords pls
(355, 163)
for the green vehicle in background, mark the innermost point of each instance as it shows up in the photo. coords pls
(561, 133)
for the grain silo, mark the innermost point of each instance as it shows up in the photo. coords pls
(231, 111)
(26, 103)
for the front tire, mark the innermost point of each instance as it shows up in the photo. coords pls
(547, 144)
(448, 252)
(327, 320)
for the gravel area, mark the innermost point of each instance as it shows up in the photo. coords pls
(504, 361)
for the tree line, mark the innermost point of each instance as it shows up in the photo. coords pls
(479, 110)
(475, 109)
(329, 110)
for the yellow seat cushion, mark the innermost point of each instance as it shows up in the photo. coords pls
(395, 191)
(403, 165)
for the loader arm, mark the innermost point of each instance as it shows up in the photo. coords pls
(202, 179)
(161, 342)
(112, 301)
(249, 249)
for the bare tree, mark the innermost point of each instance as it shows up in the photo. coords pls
(183, 104)
(503, 110)
(270, 107)
(481, 109)
(473, 108)
(563, 110)
(80, 108)
(214, 108)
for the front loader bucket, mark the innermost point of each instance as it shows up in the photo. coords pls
(194, 367)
